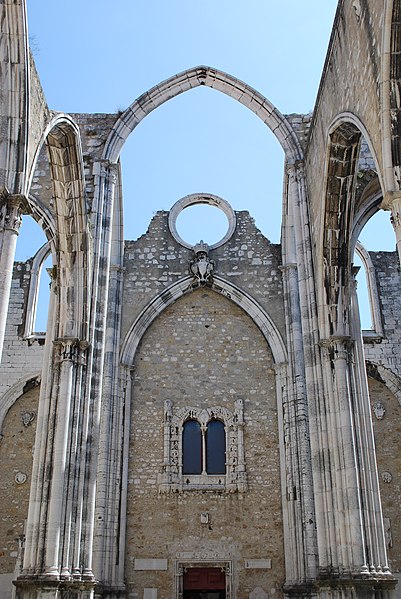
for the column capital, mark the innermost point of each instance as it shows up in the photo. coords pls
(389, 198)
(12, 207)
(70, 349)
(295, 169)
(106, 167)
(338, 347)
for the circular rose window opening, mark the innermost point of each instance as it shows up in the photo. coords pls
(201, 217)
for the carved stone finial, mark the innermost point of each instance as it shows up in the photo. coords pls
(201, 267)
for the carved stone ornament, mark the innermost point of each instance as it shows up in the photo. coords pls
(356, 5)
(201, 267)
(379, 410)
(387, 477)
(27, 418)
(20, 478)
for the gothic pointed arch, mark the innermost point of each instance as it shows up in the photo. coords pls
(345, 136)
(209, 77)
(383, 374)
(72, 241)
(169, 295)
(19, 388)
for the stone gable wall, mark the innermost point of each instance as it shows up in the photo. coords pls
(156, 261)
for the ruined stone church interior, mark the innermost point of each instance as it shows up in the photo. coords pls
(203, 420)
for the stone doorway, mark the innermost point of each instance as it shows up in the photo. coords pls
(204, 583)
(203, 579)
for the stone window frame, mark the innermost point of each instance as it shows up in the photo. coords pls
(373, 295)
(33, 293)
(173, 480)
(181, 565)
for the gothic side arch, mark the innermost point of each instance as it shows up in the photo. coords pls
(342, 406)
(15, 392)
(210, 77)
(72, 241)
(384, 375)
(175, 291)
(342, 159)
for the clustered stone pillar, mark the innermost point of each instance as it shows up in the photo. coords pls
(298, 500)
(372, 510)
(11, 209)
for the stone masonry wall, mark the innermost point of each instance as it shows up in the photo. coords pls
(248, 260)
(388, 352)
(387, 432)
(22, 359)
(204, 351)
(16, 447)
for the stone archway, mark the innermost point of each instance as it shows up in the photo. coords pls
(209, 77)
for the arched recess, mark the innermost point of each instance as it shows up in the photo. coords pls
(384, 375)
(338, 221)
(72, 240)
(14, 392)
(14, 83)
(203, 75)
(183, 286)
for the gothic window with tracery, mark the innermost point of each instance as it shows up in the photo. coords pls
(203, 449)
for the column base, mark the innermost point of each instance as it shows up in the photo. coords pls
(40, 588)
(344, 587)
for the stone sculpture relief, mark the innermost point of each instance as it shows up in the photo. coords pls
(201, 267)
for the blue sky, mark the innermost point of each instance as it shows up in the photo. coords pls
(97, 57)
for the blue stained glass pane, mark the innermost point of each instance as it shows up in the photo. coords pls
(191, 448)
(215, 448)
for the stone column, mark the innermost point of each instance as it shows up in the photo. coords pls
(66, 356)
(106, 178)
(36, 522)
(392, 202)
(350, 545)
(301, 550)
(372, 511)
(11, 209)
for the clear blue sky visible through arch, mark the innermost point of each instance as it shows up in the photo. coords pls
(94, 57)
(98, 57)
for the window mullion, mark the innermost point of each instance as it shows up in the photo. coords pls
(204, 431)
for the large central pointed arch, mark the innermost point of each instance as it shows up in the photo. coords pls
(172, 293)
(190, 79)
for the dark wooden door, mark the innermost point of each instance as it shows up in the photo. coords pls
(204, 579)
